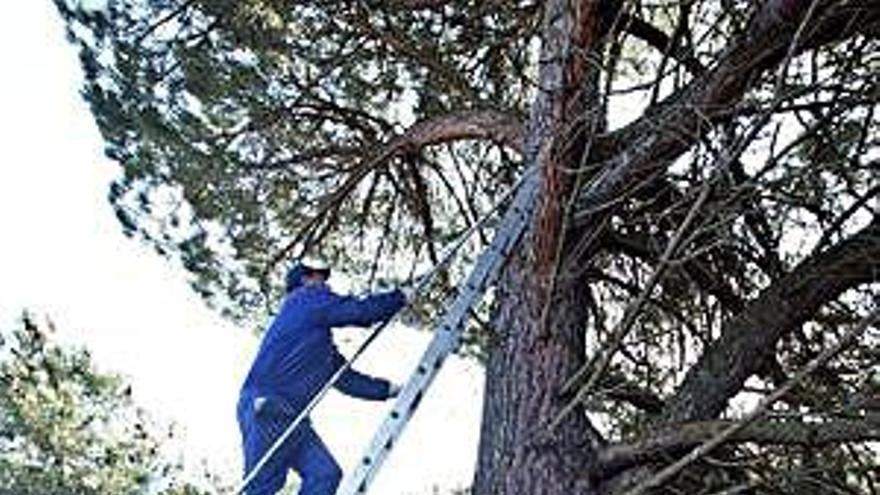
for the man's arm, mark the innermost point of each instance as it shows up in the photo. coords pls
(361, 386)
(343, 311)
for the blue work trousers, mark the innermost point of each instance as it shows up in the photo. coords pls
(303, 451)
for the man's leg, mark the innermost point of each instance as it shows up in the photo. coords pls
(318, 470)
(268, 482)
(257, 436)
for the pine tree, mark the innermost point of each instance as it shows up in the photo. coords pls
(68, 428)
(707, 222)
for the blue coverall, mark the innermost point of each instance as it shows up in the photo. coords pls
(296, 358)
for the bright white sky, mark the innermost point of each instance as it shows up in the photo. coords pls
(64, 256)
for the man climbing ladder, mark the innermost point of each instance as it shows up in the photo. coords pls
(445, 340)
(296, 358)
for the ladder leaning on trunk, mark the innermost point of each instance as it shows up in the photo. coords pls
(447, 333)
(446, 337)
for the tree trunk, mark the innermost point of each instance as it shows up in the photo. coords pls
(528, 362)
(542, 311)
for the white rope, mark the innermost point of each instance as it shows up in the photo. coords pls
(423, 282)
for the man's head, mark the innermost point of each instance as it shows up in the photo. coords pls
(301, 274)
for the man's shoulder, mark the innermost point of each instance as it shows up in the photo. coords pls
(310, 296)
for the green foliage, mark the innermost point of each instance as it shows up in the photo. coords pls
(67, 428)
(236, 123)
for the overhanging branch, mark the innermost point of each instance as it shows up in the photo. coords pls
(746, 340)
(634, 153)
(661, 445)
(499, 127)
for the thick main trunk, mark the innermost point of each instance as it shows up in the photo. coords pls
(528, 361)
(540, 320)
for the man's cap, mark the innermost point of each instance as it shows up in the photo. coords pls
(300, 270)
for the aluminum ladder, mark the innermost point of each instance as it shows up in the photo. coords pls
(447, 334)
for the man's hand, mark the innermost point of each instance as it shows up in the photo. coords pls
(393, 390)
(408, 291)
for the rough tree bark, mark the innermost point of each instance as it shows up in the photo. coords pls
(541, 317)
